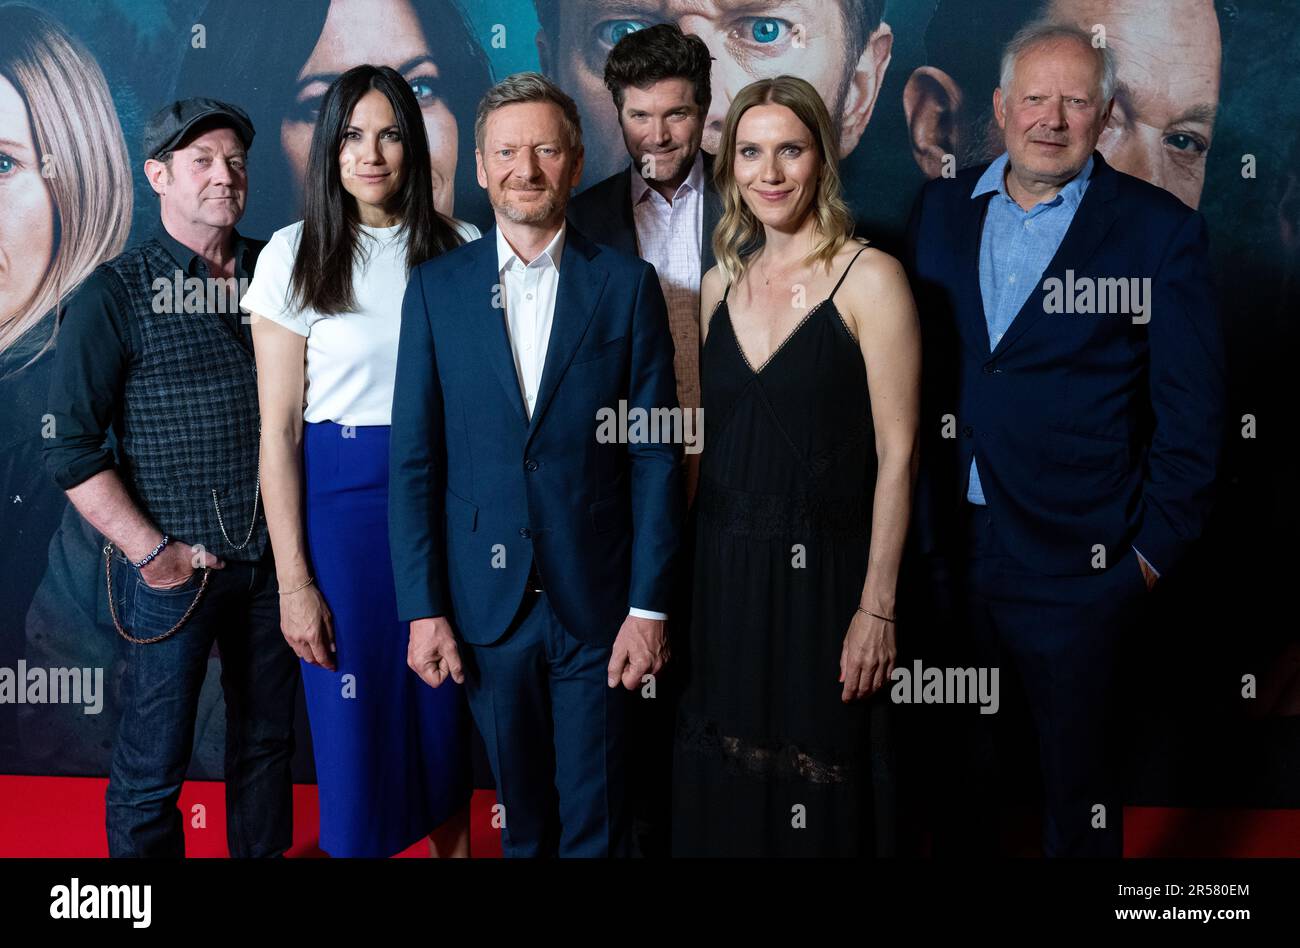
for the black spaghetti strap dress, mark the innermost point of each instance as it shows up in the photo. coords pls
(767, 760)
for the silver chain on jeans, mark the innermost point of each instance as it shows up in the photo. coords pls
(112, 608)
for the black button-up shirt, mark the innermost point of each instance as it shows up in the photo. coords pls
(95, 346)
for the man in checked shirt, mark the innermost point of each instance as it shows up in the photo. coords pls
(663, 206)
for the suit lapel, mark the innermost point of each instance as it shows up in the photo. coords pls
(712, 214)
(624, 235)
(1092, 221)
(580, 285)
(971, 233)
(488, 325)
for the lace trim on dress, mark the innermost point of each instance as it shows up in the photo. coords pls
(858, 430)
(777, 351)
(782, 517)
(845, 323)
(790, 761)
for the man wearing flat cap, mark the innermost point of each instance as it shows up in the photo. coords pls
(153, 350)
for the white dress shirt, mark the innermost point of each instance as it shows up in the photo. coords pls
(528, 292)
(668, 237)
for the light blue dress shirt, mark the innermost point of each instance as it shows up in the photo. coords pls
(1015, 248)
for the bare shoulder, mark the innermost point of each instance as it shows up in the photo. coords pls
(874, 269)
(876, 294)
(711, 284)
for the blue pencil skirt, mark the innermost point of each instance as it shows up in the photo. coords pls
(392, 754)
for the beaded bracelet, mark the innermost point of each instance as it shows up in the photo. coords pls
(156, 550)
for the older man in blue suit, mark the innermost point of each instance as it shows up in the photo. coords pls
(532, 546)
(1075, 389)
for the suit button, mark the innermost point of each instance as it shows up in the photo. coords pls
(988, 368)
(525, 533)
(530, 465)
(967, 431)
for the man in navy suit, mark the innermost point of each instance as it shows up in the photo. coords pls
(532, 551)
(1075, 390)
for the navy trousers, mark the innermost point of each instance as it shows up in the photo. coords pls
(554, 735)
(1058, 641)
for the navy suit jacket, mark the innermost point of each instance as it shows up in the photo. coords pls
(1087, 429)
(604, 213)
(477, 490)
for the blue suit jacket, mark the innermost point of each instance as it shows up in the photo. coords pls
(477, 490)
(1088, 429)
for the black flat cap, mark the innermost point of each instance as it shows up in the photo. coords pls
(170, 124)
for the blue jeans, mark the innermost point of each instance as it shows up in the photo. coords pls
(240, 611)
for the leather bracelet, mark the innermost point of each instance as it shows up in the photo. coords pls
(156, 550)
(310, 580)
(874, 615)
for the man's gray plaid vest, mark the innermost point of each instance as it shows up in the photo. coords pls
(190, 424)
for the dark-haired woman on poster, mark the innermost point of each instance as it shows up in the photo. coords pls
(810, 378)
(277, 59)
(392, 755)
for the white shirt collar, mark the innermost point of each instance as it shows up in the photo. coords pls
(694, 181)
(548, 257)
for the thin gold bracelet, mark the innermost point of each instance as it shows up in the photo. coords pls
(874, 615)
(310, 580)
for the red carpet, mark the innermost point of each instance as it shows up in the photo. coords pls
(64, 816)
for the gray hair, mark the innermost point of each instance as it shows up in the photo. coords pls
(528, 87)
(1047, 31)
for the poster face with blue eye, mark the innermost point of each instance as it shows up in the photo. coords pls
(842, 47)
(1206, 106)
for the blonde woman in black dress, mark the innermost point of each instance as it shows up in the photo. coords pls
(810, 373)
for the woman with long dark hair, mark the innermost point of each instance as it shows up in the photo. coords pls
(810, 377)
(391, 754)
(277, 59)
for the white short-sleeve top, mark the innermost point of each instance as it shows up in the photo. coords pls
(351, 357)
